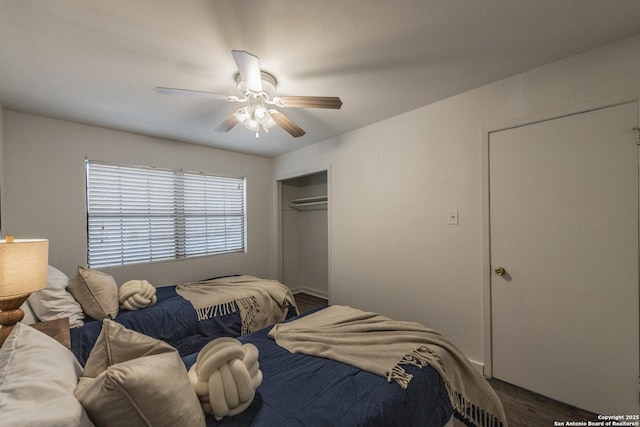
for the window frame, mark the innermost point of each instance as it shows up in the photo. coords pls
(179, 214)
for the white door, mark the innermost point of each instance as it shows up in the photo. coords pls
(564, 226)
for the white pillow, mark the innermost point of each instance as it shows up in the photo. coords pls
(37, 378)
(55, 301)
(136, 294)
(29, 315)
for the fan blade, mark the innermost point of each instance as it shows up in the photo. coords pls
(285, 123)
(249, 69)
(227, 124)
(210, 95)
(310, 101)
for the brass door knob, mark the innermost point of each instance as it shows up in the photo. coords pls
(500, 271)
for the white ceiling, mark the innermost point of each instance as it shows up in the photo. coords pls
(97, 62)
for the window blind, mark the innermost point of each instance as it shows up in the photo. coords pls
(138, 214)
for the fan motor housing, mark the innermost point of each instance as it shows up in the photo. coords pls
(269, 83)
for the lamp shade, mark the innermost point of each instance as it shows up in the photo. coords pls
(23, 266)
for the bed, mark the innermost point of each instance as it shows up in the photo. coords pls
(304, 390)
(301, 390)
(176, 321)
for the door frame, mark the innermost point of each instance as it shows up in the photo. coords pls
(279, 249)
(486, 131)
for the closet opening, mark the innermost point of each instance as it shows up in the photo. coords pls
(304, 233)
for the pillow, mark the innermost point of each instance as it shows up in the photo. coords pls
(96, 292)
(55, 302)
(136, 294)
(37, 379)
(135, 380)
(225, 376)
(29, 315)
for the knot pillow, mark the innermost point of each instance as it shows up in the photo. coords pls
(225, 376)
(136, 294)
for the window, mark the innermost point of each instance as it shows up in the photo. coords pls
(140, 214)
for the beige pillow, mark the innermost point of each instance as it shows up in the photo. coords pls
(96, 292)
(135, 380)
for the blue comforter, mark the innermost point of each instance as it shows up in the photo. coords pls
(172, 319)
(301, 390)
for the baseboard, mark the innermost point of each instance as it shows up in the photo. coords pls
(478, 366)
(313, 292)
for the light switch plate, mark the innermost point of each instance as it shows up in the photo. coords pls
(453, 217)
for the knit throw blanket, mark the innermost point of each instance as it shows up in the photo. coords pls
(260, 302)
(382, 346)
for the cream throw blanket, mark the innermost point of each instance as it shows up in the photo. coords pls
(381, 346)
(261, 302)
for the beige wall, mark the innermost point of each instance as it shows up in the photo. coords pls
(393, 182)
(1, 172)
(44, 193)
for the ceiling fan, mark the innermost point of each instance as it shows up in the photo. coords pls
(258, 88)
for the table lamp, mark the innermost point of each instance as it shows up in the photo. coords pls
(23, 270)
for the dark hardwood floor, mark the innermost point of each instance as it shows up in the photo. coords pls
(523, 408)
(308, 302)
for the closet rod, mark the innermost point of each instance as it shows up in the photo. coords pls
(307, 205)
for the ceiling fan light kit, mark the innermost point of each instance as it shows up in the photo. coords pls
(256, 115)
(258, 88)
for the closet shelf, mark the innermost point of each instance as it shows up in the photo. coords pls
(309, 203)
